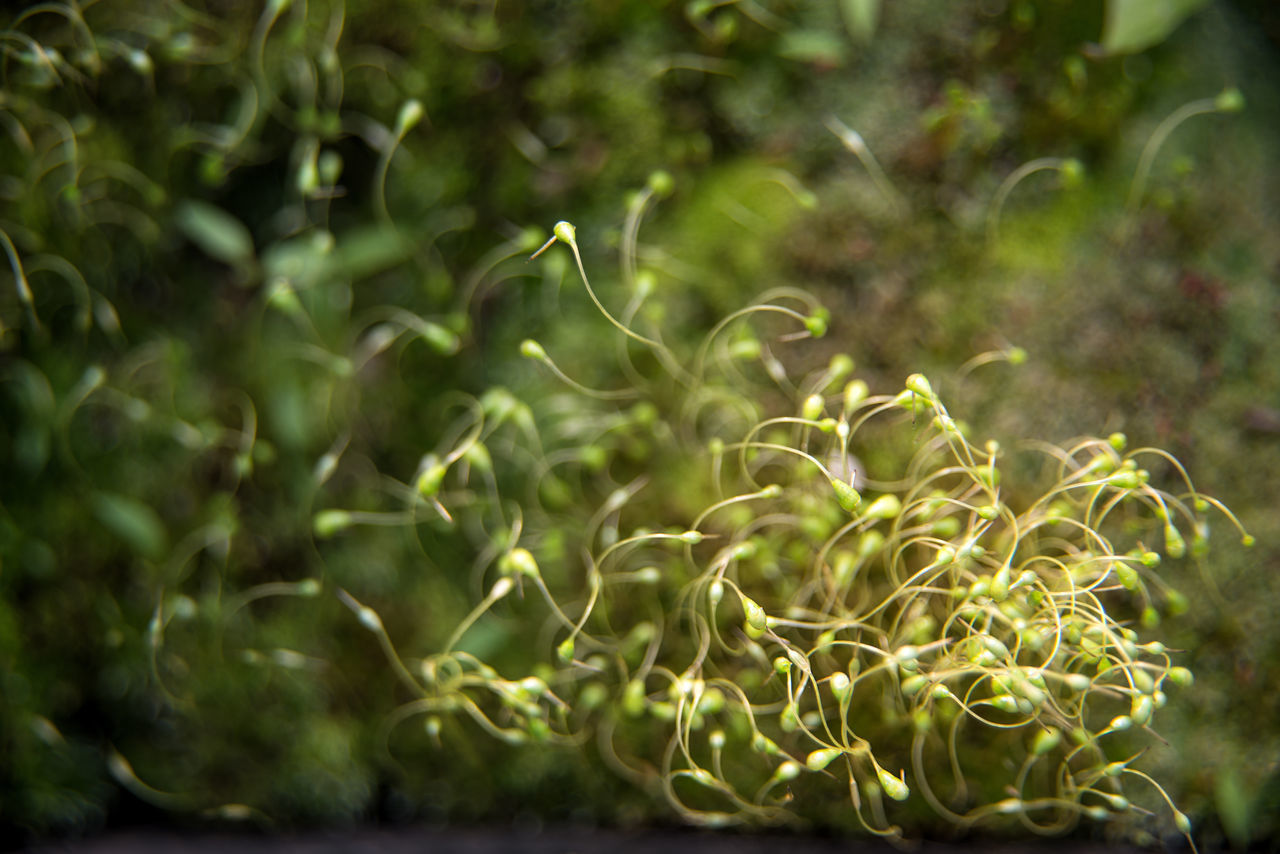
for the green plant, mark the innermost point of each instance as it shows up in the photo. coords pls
(759, 590)
(262, 265)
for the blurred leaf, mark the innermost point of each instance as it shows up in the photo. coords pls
(1134, 25)
(1233, 806)
(817, 46)
(860, 19)
(302, 261)
(364, 251)
(217, 232)
(132, 521)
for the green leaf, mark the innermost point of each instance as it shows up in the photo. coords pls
(1135, 25)
(860, 19)
(1233, 806)
(215, 231)
(366, 250)
(821, 47)
(132, 521)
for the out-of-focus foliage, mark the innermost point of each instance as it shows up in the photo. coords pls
(258, 255)
(1134, 25)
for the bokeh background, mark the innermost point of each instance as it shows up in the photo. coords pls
(208, 208)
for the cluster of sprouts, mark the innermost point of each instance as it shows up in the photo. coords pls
(739, 616)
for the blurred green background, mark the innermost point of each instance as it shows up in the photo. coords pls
(213, 212)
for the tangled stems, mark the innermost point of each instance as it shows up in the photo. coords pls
(771, 628)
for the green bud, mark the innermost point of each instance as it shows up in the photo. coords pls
(746, 349)
(870, 543)
(564, 651)
(755, 616)
(894, 787)
(410, 114)
(919, 384)
(662, 711)
(712, 701)
(813, 406)
(995, 646)
(840, 686)
(1071, 173)
(501, 588)
(855, 392)
(1174, 545)
(520, 562)
(820, 759)
(648, 575)
(840, 366)
(1124, 479)
(1142, 680)
(1180, 676)
(531, 349)
(329, 167)
(308, 587)
(1009, 806)
(1140, 709)
(1005, 703)
(884, 507)
(922, 720)
(691, 537)
(716, 739)
(788, 770)
(1229, 101)
(1126, 575)
(329, 522)
(432, 476)
(1000, 585)
(1045, 741)
(477, 455)
(816, 324)
(912, 685)
(565, 232)
(661, 184)
(633, 699)
(847, 497)
(369, 618)
(1077, 681)
(946, 527)
(1181, 822)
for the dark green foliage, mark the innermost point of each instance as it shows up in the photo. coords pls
(260, 261)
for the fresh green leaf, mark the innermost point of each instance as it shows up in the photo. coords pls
(1135, 25)
(215, 231)
(132, 521)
